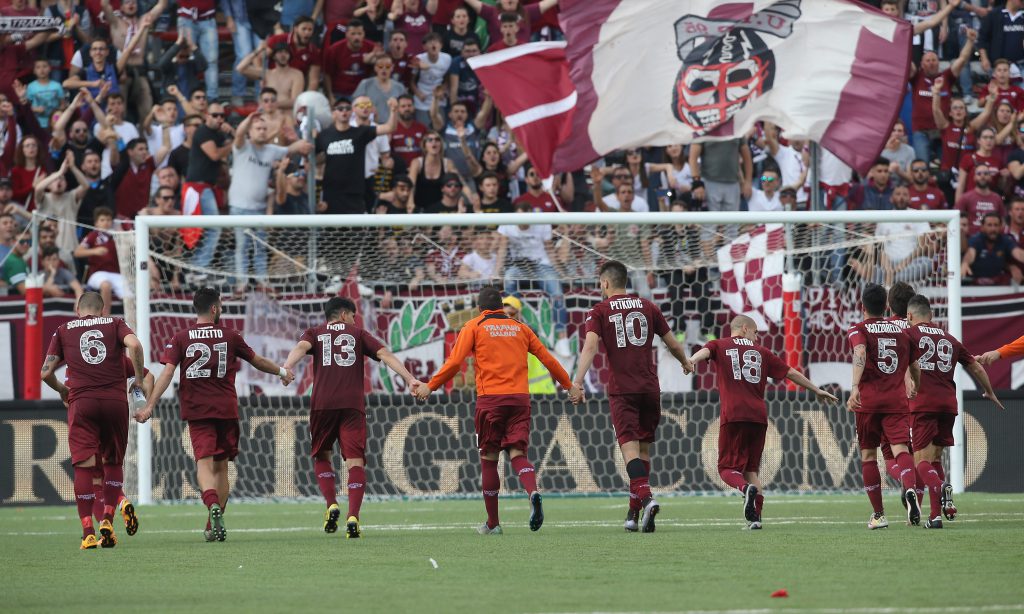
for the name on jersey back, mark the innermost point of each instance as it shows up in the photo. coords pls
(89, 322)
(501, 330)
(626, 303)
(883, 327)
(205, 333)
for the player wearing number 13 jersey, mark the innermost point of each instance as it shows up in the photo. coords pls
(338, 407)
(208, 354)
(626, 326)
(743, 368)
(881, 360)
(92, 347)
(933, 410)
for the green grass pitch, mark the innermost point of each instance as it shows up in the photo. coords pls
(278, 559)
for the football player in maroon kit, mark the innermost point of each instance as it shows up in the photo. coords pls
(933, 410)
(743, 367)
(208, 354)
(626, 325)
(881, 359)
(92, 345)
(338, 406)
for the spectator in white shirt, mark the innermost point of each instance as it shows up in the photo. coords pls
(767, 198)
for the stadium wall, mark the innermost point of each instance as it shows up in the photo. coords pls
(428, 450)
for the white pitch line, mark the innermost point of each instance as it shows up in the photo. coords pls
(865, 610)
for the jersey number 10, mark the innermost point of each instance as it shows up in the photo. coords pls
(625, 330)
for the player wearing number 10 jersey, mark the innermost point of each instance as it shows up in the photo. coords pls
(933, 410)
(743, 367)
(92, 347)
(626, 326)
(338, 407)
(881, 359)
(208, 354)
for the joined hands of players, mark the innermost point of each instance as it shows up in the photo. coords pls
(576, 395)
(420, 390)
(288, 377)
(988, 357)
(145, 413)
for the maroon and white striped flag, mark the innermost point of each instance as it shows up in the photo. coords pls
(660, 72)
(752, 266)
(531, 87)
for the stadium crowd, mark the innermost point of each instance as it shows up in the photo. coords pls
(138, 105)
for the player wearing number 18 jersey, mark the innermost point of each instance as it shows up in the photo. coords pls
(933, 410)
(92, 347)
(627, 325)
(881, 359)
(338, 407)
(743, 368)
(208, 354)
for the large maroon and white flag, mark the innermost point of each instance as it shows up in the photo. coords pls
(658, 72)
(531, 87)
(752, 266)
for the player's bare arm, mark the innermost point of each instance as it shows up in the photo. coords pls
(586, 361)
(158, 390)
(388, 357)
(49, 377)
(701, 355)
(801, 380)
(134, 347)
(914, 373)
(264, 364)
(981, 376)
(860, 359)
(678, 351)
(298, 352)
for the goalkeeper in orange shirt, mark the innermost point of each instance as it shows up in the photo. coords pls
(500, 345)
(1010, 350)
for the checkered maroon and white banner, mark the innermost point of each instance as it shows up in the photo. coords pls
(752, 266)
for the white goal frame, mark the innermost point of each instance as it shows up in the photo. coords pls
(143, 225)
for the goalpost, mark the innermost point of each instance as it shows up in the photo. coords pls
(797, 273)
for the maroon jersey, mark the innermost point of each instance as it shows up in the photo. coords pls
(545, 203)
(208, 355)
(92, 348)
(921, 87)
(338, 351)
(957, 145)
(928, 198)
(882, 389)
(345, 67)
(743, 369)
(405, 142)
(108, 261)
(937, 354)
(627, 326)
(977, 205)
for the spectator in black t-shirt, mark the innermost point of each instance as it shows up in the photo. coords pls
(451, 197)
(990, 255)
(290, 195)
(342, 147)
(489, 202)
(210, 148)
(179, 155)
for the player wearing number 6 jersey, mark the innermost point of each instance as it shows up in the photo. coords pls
(881, 359)
(743, 367)
(338, 407)
(933, 410)
(93, 346)
(627, 325)
(208, 354)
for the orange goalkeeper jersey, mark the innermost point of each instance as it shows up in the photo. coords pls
(1014, 348)
(500, 345)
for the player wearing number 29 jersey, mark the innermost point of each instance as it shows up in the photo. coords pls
(208, 354)
(743, 367)
(626, 326)
(338, 406)
(881, 359)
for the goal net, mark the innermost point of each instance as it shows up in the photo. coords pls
(415, 278)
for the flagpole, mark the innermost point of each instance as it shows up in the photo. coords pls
(815, 190)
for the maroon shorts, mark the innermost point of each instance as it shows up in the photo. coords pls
(502, 422)
(932, 427)
(347, 426)
(635, 417)
(874, 428)
(740, 445)
(98, 427)
(216, 437)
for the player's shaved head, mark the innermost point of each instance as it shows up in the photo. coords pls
(743, 326)
(873, 298)
(920, 307)
(488, 299)
(204, 300)
(338, 305)
(899, 294)
(614, 272)
(91, 303)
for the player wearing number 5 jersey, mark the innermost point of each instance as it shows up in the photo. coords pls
(338, 407)
(933, 410)
(743, 368)
(208, 354)
(627, 325)
(881, 360)
(93, 347)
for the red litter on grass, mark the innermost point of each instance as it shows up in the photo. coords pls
(780, 593)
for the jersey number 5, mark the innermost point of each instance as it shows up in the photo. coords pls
(888, 359)
(625, 329)
(196, 370)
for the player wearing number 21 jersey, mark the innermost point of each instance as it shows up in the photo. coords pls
(881, 360)
(743, 367)
(338, 407)
(626, 326)
(933, 410)
(92, 346)
(208, 354)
